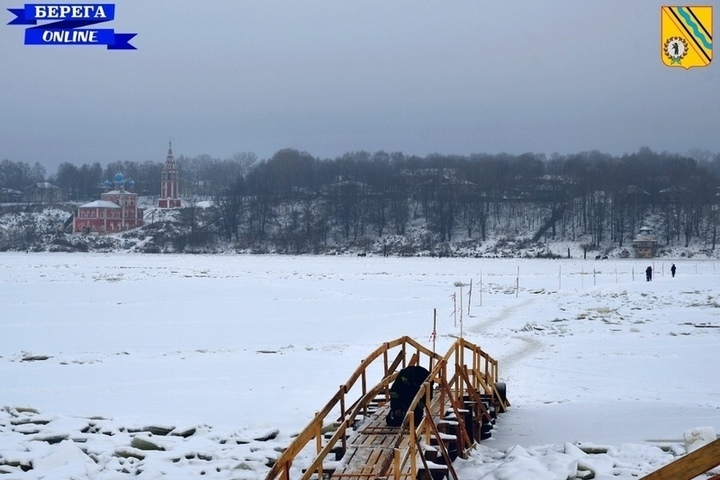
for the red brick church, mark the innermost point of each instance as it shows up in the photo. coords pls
(116, 211)
(169, 184)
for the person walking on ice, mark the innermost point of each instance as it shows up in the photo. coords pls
(648, 273)
(672, 270)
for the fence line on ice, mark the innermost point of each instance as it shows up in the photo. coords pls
(527, 277)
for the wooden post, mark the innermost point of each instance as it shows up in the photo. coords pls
(396, 463)
(386, 361)
(427, 418)
(413, 445)
(363, 380)
(286, 470)
(342, 410)
(318, 442)
(476, 368)
(441, 392)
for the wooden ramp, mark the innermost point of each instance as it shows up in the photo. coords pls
(461, 399)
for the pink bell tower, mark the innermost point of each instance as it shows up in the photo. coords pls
(169, 185)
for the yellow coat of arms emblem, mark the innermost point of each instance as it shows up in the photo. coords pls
(686, 36)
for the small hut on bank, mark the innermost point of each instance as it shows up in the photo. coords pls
(645, 243)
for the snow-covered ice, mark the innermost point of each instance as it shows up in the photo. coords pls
(174, 366)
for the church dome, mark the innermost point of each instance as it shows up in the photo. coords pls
(119, 181)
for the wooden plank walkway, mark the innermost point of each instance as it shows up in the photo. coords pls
(368, 448)
(372, 447)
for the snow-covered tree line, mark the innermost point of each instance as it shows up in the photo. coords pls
(296, 203)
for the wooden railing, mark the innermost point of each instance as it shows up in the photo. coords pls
(691, 465)
(458, 393)
(354, 400)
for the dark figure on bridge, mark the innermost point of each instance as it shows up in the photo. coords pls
(402, 392)
(648, 274)
(673, 270)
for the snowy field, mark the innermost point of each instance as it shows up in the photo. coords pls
(103, 355)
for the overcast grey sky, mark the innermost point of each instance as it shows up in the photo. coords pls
(333, 76)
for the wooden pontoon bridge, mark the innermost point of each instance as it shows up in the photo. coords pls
(349, 439)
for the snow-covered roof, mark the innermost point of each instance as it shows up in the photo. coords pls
(119, 192)
(44, 185)
(100, 204)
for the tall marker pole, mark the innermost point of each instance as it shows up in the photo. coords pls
(481, 288)
(461, 312)
(469, 296)
(433, 335)
(454, 312)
